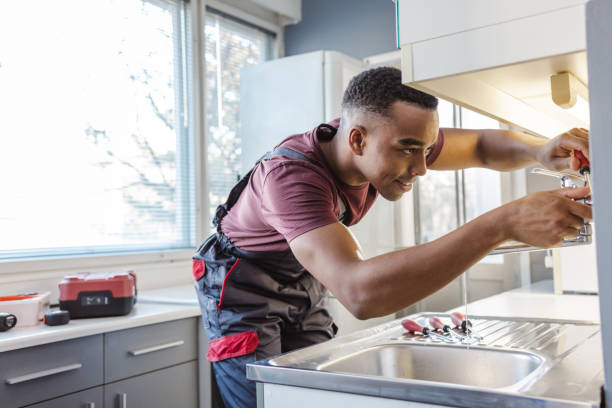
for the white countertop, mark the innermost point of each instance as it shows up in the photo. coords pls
(537, 301)
(144, 312)
(154, 306)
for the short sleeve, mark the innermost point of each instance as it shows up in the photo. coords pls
(435, 152)
(296, 198)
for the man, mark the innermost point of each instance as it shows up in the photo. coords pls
(282, 235)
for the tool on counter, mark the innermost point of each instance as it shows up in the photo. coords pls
(7, 321)
(414, 327)
(88, 294)
(585, 167)
(465, 325)
(460, 321)
(28, 309)
(56, 318)
(436, 323)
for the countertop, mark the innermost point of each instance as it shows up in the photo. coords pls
(153, 306)
(537, 301)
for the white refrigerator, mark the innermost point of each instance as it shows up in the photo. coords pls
(293, 95)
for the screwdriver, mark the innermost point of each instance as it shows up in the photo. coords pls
(459, 320)
(414, 327)
(436, 323)
(585, 168)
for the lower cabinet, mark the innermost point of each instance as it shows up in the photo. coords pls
(155, 366)
(174, 387)
(85, 399)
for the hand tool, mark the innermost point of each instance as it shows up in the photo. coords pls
(436, 323)
(7, 321)
(413, 326)
(585, 166)
(459, 320)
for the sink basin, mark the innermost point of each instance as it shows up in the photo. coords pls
(516, 362)
(458, 365)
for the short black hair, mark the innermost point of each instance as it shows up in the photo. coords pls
(376, 89)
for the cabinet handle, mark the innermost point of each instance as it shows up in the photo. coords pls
(89, 405)
(152, 349)
(44, 373)
(122, 400)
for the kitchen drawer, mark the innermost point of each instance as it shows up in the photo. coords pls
(135, 351)
(38, 373)
(92, 398)
(175, 387)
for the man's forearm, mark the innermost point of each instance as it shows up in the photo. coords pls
(398, 279)
(506, 150)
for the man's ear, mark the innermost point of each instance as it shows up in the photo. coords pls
(357, 139)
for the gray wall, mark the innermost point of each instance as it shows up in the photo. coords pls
(358, 28)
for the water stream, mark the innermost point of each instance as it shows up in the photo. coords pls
(467, 340)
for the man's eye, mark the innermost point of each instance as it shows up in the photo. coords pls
(410, 151)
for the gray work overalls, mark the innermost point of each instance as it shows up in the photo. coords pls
(254, 304)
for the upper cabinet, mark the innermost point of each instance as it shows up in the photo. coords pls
(505, 59)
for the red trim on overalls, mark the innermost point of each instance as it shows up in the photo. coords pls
(225, 280)
(234, 345)
(198, 269)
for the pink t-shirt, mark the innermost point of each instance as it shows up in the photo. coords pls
(287, 197)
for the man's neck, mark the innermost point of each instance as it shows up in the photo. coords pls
(339, 157)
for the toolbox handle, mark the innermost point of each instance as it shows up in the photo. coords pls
(44, 373)
(152, 349)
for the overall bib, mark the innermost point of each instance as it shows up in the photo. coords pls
(254, 304)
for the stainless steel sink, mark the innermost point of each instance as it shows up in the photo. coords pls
(440, 363)
(515, 362)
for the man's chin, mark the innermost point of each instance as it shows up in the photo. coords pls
(392, 195)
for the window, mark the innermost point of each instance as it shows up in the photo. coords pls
(436, 198)
(94, 136)
(447, 199)
(229, 45)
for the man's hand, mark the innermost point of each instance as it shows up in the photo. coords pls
(545, 218)
(557, 154)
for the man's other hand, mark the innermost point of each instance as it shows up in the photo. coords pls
(545, 218)
(557, 153)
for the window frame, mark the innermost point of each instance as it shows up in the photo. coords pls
(13, 271)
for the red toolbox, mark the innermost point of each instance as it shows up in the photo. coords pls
(88, 294)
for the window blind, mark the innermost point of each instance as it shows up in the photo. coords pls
(95, 136)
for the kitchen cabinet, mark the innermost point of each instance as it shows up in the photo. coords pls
(174, 387)
(39, 373)
(92, 398)
(156, 365)
(496, 58)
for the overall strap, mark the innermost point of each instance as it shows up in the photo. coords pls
(223, 209)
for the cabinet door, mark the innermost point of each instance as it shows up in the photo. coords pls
(39, 373)
(139, 350)
(175, 387)
(85, 399)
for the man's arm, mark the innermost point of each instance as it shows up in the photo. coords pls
(504, 150)
(390, 282)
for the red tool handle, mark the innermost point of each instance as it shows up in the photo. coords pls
(583, 160)
(412, 326)
(457, 318)
(436, 323)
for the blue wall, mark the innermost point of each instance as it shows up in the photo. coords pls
(358, 28)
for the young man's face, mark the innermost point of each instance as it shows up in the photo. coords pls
(395, 148)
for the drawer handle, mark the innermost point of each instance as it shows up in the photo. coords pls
(122, 398)
(45, 373)
(152, 349)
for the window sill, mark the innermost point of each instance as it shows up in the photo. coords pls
(92, 262)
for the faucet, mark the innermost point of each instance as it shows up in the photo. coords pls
(586, 231)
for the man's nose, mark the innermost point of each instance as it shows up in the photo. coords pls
(419, 166)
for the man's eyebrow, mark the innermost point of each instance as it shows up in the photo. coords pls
(408, 141)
